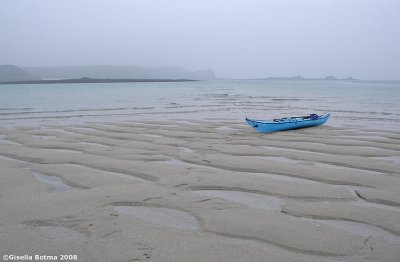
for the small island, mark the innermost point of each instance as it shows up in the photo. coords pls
(328, 78)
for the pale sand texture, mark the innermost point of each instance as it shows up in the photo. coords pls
(200, 191)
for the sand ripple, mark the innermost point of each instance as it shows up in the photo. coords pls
(318, 194)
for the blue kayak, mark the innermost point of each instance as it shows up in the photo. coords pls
(288, 123)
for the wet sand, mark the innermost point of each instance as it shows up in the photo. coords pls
(200, 191)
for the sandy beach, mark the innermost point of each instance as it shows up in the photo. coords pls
(128, 131)
(199, 191)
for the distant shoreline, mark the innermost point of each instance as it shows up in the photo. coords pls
(94, 80)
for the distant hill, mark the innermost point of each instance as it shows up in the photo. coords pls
(94, 80)
(11, 73)
(118, 72)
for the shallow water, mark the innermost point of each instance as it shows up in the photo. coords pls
(161, 216)
(6, 158)
(177, 162)
(283, 177)
(3, 140)
(44, 136)
(344, 168)
(248, 199)
(79, 168)
(59, 150)
(61, 233)
(56, 182)
(90, 144)
(370, 104)
(393, 159)
(276, 158)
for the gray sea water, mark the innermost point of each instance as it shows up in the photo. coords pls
(368, 104)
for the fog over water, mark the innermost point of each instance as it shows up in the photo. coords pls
(235, 38)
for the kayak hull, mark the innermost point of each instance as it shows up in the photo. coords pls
(286, 123)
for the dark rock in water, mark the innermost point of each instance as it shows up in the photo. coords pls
(11, 73)
(297, 78)
(350, 78)
(330, 78)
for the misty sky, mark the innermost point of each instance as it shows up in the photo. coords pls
(240, 39)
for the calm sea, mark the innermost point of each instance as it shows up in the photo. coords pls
(370, 104)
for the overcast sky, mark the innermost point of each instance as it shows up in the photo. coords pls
(235, 38)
